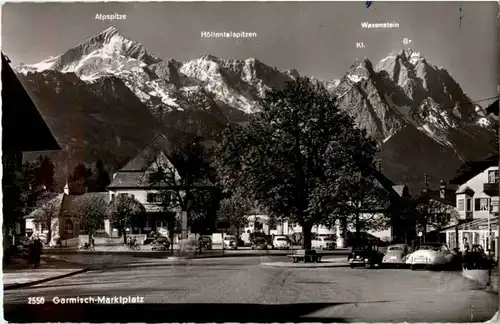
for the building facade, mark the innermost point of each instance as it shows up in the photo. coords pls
(477, 208)
(133, 180)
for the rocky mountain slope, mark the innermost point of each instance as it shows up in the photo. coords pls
(113, 83)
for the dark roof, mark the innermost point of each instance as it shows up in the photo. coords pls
(435, 195)
(465, 189)
(147, 156)
(493, 108)
(131, 179)
(23, 127)
(132, 175)
(70, 203)
(57, 200)
(472, 168)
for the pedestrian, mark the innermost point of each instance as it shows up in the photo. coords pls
(38, 247)
(465, 253)
(31, 253)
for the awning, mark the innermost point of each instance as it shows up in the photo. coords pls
(475, 225)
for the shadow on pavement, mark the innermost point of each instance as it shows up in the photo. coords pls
(260, 313)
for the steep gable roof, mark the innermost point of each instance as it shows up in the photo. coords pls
(493, 108)
(57, 200)
(23, 127)
(147, 156)
(70, 203)
(472, 168)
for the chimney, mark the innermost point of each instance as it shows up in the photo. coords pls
(442, 190)
(66, 188)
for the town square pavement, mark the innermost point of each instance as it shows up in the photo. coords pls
(240, 290)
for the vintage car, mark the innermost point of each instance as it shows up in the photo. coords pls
(205, 242)
(395, 255)
(230, 242)
(160, 243)
(260, 243)
(430, 256)
(323, 242)
(281, 242)
(477, 258)
(366, 256)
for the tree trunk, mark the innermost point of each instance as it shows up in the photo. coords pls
(49, 232)
(306, 236)
(357, 234)
(124, 231)
(90, 235)
(456, 237)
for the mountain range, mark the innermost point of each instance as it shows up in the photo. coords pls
(109, 96)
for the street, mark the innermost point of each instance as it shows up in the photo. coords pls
(238, 289)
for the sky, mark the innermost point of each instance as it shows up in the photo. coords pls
(316, 38)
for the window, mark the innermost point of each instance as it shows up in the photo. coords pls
(43, 226)
(112, 197)
(161, 224)
(469, 204)
(460, 205)
(68, 226)
(481, 204)
(153, 198)
(493, 176)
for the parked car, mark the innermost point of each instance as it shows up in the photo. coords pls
(160, 243)
(323, 242)
(230, 242)
(260, 243)
(395, 255)
(366, 256)
(281, 242)
(477, 258)
(431, 256)
(205, 241)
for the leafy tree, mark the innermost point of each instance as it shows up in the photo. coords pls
(99, 178)
(433, 214)
(38, 177)
(365, 204)
(92, 210)
(185, 185)
(14, 199)
(124, 212)
(81, 177)
(235, 210)
(47, 211)
(294, 154)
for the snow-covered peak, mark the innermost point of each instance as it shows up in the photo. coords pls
(360, 70)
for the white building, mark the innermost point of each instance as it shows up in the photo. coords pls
(477, 207)
(133, 180)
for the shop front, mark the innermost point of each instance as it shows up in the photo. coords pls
(482, 231)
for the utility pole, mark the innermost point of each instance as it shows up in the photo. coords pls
(498, 184)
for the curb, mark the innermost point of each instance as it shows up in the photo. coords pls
(304, 266)
(483, 284)
(37, 282)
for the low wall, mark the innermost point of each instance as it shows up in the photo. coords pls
(82, 239)
(482, 277)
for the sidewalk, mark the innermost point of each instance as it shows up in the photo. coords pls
(481, 277)
(18, 274)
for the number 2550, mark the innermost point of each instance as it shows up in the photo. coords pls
(36, 300)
